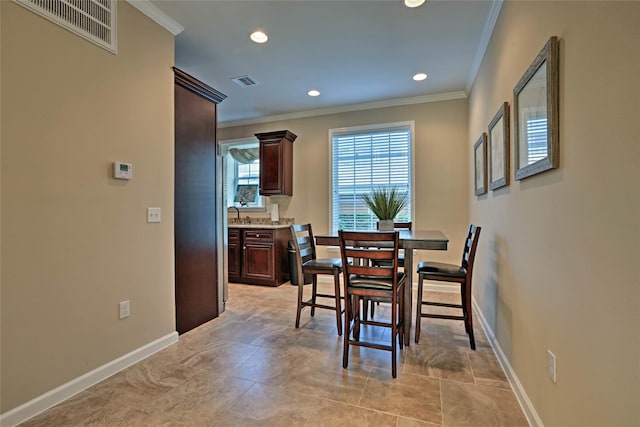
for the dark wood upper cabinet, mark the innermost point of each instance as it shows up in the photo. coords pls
(276, 163)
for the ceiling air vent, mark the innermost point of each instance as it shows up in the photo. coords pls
(245, 81)
(95, 20)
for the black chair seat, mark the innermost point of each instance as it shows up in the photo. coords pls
(365, 282)
(323, 263)
(442, 269)
(389, 263)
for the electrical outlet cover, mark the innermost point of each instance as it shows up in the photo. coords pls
(124, 309)
(551, 366)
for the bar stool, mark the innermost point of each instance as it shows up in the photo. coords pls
(461, 274)
(309, 265)
(368, 281)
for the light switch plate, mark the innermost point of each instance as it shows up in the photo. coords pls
(154, 214)
(124, 309)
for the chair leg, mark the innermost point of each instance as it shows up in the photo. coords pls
(336, 290)
(366, 309)
(300, 296)
(472, 340)
(400, 319)
(468, 316)
(314, 291)
(394, 336)
(356, 318)
(348, 305)
(463, 298)
(419, 307)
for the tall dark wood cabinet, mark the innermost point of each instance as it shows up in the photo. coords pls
(276, 163)
(196, 238)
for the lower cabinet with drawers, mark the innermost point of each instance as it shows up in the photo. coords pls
(258, 256)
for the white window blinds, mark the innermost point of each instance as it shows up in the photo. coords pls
(363, 160)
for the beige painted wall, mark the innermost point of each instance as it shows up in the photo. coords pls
(441, 173)
(75, 241)
(556, 266)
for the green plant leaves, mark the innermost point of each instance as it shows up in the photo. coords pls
(385, 203)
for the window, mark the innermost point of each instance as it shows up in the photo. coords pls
(363, 159)
(242, 173)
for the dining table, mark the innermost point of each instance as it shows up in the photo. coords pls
(410, 240)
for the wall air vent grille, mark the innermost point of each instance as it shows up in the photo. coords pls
(95, 20)
(244, 81)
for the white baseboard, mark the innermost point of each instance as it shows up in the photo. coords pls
(529, 410)
(65, 391)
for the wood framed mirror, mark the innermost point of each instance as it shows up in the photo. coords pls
(480, 165)
(498, 151)
(536, 114)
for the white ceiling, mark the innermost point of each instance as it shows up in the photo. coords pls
(353, 52)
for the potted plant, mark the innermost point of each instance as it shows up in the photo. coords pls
(386, 204)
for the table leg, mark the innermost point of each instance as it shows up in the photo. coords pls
(408, 294)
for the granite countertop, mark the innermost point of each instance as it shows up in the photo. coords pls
(259, 223)
(264, 226)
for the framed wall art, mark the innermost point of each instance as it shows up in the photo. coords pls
(498, 150)
(480, 161)
(536, 116)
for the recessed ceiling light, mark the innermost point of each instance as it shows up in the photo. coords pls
(313, 92)
(259, 37)
(413, 3)
(419, 77)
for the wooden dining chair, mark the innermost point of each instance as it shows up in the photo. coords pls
(396, 226)
(367, 281)
(400, 226)
(308, 264)
(461, 274)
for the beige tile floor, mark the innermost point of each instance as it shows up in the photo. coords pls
(251, 367)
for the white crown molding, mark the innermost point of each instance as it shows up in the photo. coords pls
(346, 108)
(65, 391)
(146, 7)
(496, 6)
(525, 403)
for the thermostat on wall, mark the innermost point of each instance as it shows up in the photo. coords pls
(122, 170)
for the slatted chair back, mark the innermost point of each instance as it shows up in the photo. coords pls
(376, 252)
(471, 244)
(303, 242)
